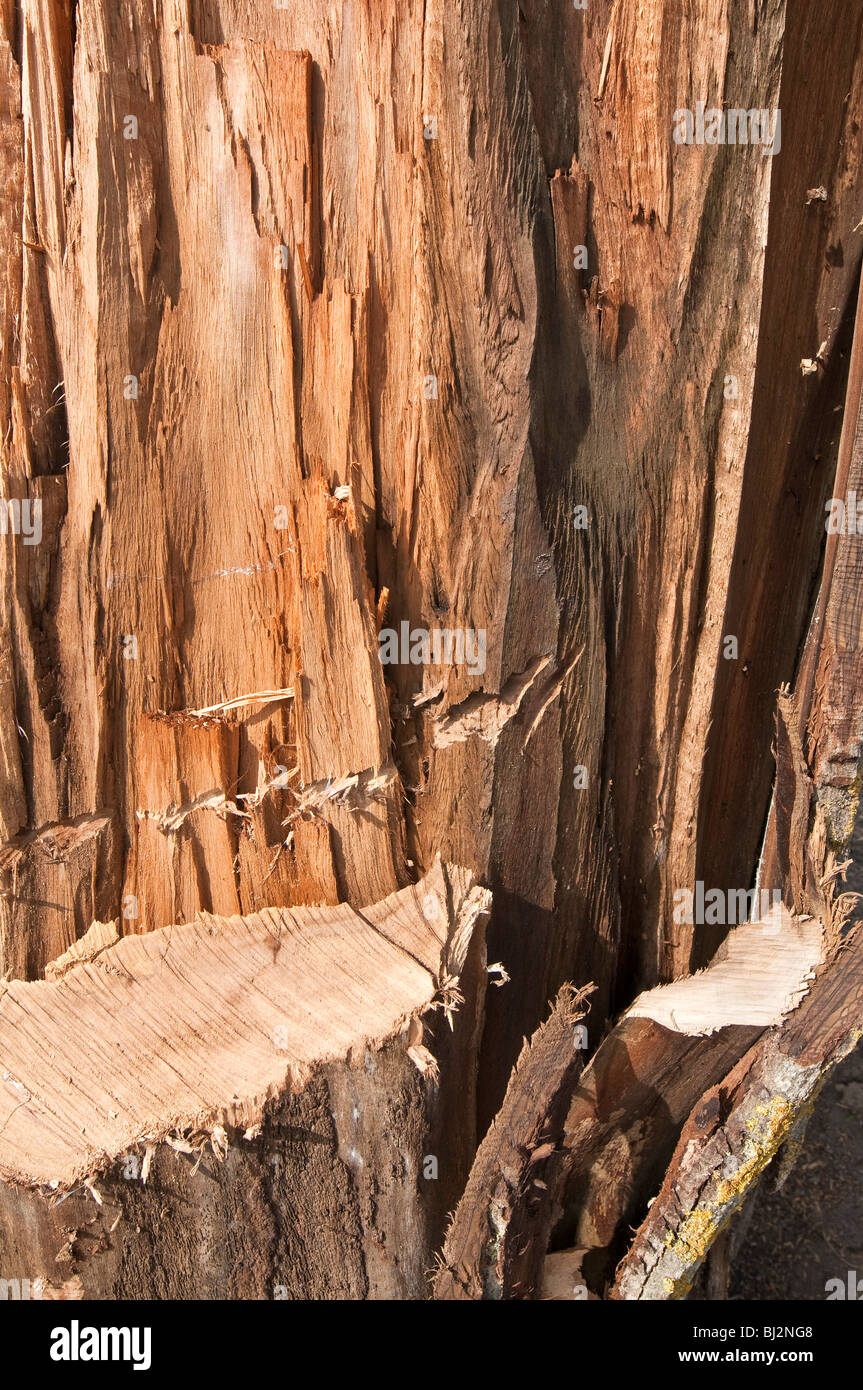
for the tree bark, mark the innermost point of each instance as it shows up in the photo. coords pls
(298, 347)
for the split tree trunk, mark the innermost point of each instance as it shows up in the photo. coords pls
(295, 348)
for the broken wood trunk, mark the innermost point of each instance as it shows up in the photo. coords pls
(416, 423)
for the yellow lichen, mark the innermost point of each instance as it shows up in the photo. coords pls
(769, 1125)
(694, 1236)
(849, 802)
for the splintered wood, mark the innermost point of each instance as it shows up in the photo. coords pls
(53, 882)
(759, 974)
(320, 316)
(812, 845)
(500, 1230)
(588, 1146)
(206, 1021)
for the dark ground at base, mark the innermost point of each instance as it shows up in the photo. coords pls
(811, 1230)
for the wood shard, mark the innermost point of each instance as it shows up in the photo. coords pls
(98, 938)
(199, 1024)
(486, 716)
(499, 1232)
(257, 697)
(758, 975)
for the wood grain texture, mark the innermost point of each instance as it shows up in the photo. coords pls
(202, 1024)
(760, 1109)
(500, 1230)
(293, 345)
(756, 1116)
(571, 1156)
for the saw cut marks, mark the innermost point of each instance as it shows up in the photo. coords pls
(199, 1024)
